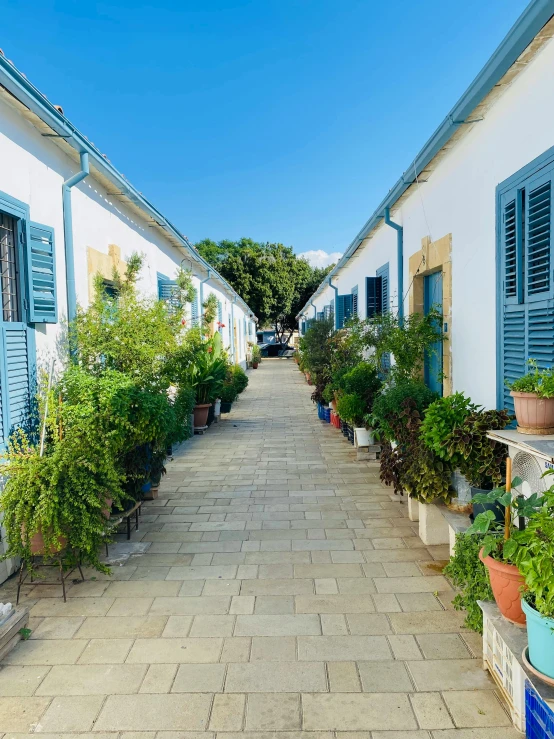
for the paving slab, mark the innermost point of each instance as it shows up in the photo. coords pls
(274, 591)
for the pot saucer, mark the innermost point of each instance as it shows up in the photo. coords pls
(533, 670)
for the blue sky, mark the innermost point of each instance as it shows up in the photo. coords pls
(281, 120)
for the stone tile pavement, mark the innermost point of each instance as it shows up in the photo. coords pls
(281, 590)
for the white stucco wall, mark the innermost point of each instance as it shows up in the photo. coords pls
(33, 170)
(459, 198)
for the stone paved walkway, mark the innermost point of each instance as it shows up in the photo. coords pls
(282, 590)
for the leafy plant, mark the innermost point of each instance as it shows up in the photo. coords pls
(408, 340)
(362, 381)
(350, 408)
(537, 381)
(470, 576)
(239, 378)
(388, 405)
(534, 556)
(206, 374)
(441, 418)
(256, 354)
(502, 541)
(480, 459)
(129, 333)
(210, 306)
(411, 466)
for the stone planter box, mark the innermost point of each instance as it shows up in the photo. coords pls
(433, 526)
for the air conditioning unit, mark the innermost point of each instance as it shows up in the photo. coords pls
(531, 456)
(530, 468)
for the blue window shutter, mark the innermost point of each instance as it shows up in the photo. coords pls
(382, 274)
(373, 296)
(355, 300)
(16, 379)
(194, 309)
(168, 290)
(332, 307)
(41, 271)
(526, 283)
(538, 230)
(320, 316)
(2, 409)
(220, 315)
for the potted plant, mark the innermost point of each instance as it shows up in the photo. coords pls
(500, 543)
(205, 376)
(351, 408)
(256, 356)
(228, 394)
(535, 560)
(533, 396)
(455, 429)
(364, 382)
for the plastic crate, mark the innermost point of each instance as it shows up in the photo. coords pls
(539, 717)
(327, 412)
(320, 412)
(505, 671)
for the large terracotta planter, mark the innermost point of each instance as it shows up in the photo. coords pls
(254, 365)
(201, 415)
(534, 415)
(506, 583)
(38, 547)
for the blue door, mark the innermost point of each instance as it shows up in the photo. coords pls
(432, 298)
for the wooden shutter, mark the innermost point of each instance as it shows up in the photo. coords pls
(194, 309)
(41, 272)
(538, 258)
(168, 290)
(373, 296)
(220, 315)
(15, 342)
(355, 300)
(525, 264)
(2, 409)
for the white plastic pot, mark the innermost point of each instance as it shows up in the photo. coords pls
(217, 407)
(363, 436)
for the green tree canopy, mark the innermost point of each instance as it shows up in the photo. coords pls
(270, 277)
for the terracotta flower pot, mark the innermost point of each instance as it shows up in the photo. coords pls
(38, 547)
(254, 365)
(506, 582)
(534, 415)
(201, 414)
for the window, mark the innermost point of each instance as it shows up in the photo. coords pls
(525, 261)
(9, 270)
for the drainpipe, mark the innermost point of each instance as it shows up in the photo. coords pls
(400, 259)
(68, 235)
(202, 293)
(232, 331)
(336, 311)
(315, 309)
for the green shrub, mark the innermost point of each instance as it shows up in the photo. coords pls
(351, 408)
(441, 418)
(469, 574)
(363, 380)
(239, 378)
(389, 404)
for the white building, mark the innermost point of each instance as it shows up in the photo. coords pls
(66, 214)
(473, 225)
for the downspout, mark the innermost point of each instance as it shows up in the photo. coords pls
(232, 331)
(201, 286)
(400, 260)
(315, 309)
(336, 311)
(68, 235)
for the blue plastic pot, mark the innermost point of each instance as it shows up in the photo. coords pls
(540, 635)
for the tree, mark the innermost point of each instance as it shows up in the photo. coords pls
(274, 282)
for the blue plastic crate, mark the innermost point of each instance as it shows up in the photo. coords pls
(327, 415)
(320, 412)
(539, 717)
